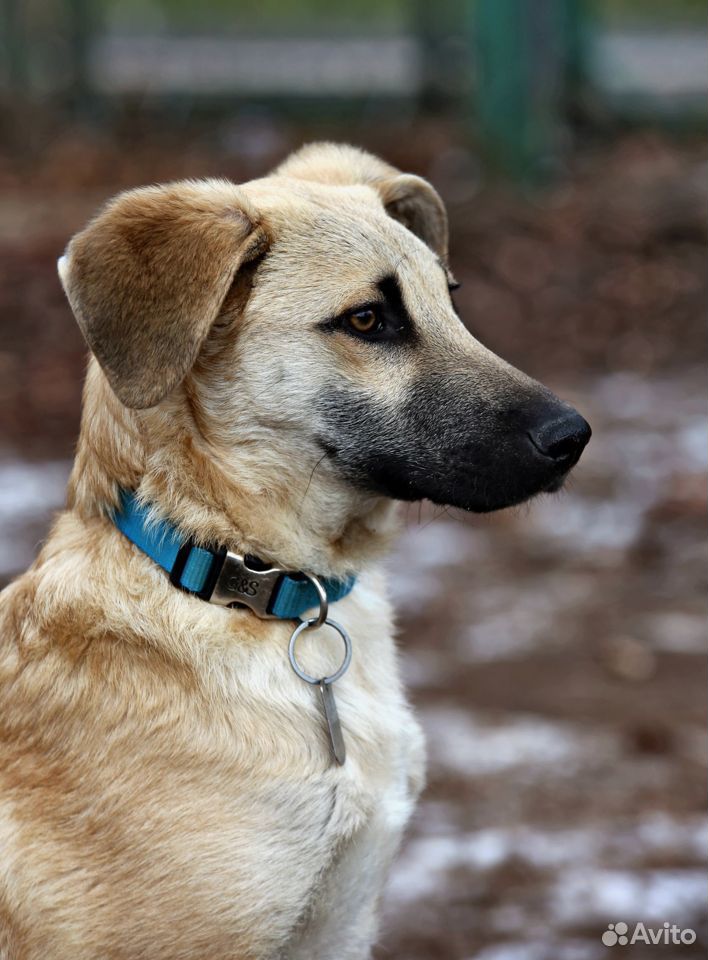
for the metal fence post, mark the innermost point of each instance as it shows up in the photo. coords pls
(526, 53)
(14, 46)
(81, 24)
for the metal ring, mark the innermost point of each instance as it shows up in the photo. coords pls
(322, 596)
(344, 666)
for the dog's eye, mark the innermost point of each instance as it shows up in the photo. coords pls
(376, 322)
(364, 322)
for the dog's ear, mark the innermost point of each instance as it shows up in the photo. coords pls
(147, 278)
(407, 198)
(413, 202)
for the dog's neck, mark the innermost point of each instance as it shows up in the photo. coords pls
(296, 514)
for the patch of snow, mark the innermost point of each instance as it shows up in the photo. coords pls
(29, 493)
(461, 743)
(516, 618)
(522, 950)
(29, 490)
(693, 443)
(416, 566)
(586, 524)
(585, 884)
(677, 632)
(581, 894)
(541, 950)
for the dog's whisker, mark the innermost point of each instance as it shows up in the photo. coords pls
(309, 484)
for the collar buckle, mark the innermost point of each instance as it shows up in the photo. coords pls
(237, 582)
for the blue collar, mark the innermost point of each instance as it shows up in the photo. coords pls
(219, 576)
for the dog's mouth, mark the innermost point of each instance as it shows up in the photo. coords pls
(513, 458)
(555, 485)
(468, 486)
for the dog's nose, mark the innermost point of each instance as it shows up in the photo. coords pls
(562, 438)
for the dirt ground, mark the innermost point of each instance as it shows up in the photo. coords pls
(555, 653)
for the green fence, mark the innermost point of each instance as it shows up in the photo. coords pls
(520, 74)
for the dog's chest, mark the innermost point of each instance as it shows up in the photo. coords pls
(283, 815)
(217, 810)
(384, 754)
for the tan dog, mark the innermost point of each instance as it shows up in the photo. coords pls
(273, 365)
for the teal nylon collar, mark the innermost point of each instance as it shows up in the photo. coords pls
(219, 576)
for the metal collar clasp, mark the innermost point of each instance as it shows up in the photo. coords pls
(237, 582)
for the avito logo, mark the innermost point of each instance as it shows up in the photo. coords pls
(617, 934)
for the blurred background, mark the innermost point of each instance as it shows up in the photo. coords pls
(556, 654)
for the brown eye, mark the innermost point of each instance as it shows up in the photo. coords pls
(364, 321)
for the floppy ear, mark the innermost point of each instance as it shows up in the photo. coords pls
(409, 199)
(147, 278)
(413, 202)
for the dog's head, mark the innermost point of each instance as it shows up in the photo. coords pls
(307, 317)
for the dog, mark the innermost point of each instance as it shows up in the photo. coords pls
(274, 365)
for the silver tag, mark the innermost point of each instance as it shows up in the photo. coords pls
(324, 684)
(334, 727)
